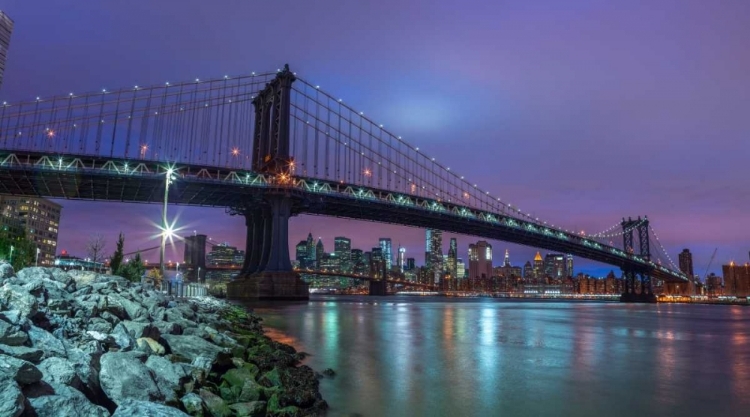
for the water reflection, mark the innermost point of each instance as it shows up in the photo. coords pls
(400, 356)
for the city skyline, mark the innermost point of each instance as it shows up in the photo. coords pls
(432, 109)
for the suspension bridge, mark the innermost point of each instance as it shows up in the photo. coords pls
(268, 146)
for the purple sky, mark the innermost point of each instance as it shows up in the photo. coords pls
(580, 112)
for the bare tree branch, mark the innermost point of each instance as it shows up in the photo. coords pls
(95, 247)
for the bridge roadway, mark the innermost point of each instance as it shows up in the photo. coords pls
(141, 181)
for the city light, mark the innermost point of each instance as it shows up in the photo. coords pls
(235, 151)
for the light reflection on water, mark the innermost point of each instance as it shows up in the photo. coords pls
(404, 356)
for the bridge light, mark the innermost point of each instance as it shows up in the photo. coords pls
(235, 151)
(136, 87)
(71, 94)
(340, 100)
(226, 77)
(167, 83)
(104, 90)
(317, 86)
(37, 99)
(416, 149)
(50, 133)
(381, 126)
(462, 177)
(361, 113)
(197, 80)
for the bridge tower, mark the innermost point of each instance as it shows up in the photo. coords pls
(267, 271)
(637, 282)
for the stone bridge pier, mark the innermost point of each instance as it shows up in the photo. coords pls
(267, 271)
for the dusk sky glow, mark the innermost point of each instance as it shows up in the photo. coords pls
(579, 112)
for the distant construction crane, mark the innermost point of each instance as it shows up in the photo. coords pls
(705, 275)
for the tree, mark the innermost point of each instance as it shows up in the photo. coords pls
(95, 247)
(133, 270)
(116, 262)
(23, 252)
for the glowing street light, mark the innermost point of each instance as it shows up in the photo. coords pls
(167, 231)
(36, 263)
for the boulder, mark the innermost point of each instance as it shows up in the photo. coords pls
(134, 310)
(139, 329)
(11, 398)
(147, 343)
(18, 370)
(124, 376)
(215, 405)
(193, 404)
(82, 277)
(13, 317)
(122, 337)
(11, 335)
(15, 297)
(169, 376)
(65, 401)
(249, 409)
(6, 270)
(86, 365)
(133, 408)
(32, 355)
(191, 347)
(45, 341)
(99, 325)
(59, 371)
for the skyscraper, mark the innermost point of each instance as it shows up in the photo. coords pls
(480, 260)
(554, 265)
(569, 265)
(452, 260)
(410, 264)
(300, 252)
(319, 252)
(312, 257)
(538, 266)
(434, 253)
(385, 247)
(401, 258)
(6, 29)
(506, 260)
(736, 279)
(342, 247)
(460, 269)
(686, 263)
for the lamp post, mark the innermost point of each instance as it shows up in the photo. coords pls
(11, 254)
(36, 263)
(165, 228)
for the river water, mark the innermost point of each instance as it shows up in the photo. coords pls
(432, 356)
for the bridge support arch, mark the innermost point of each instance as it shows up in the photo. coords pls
(267, 271)
(637, 284)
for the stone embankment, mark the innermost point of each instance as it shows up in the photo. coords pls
(83, 344)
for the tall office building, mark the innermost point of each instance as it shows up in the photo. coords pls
(554, 265)
(319, 252)
(569, 265)
(377, 262)
(37, 218)
(686, 262)
(538, 266)
(311, 257)
(6, 29)
(386, 248)
(401, 258)
(736, 279)
(460, 269)
(480, 260)
(434, 253)
(222, 255)
(300, 252)
(342, 247)
(451, 261)
(411, 264)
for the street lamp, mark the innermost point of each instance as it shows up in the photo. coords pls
(166, 230)
(37, 257)
(11, 254)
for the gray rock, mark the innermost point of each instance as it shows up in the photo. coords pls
(66, 401)
(86, 365)
(59, 371)
(123, 339)
(112, 304)
(83, 277)
(133, 408)
(99, 325)
(169, 376)
(6, 270)
(13, 317)
(18, 370)
(124, 376)
(191, 347)
(139, 329)
(32, 355)
(15, 297)
(11, 398)
(11, 335)
(193, 404)
(45, 341)
(167, 327)
(134, 310)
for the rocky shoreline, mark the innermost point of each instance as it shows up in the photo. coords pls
(79, 343)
